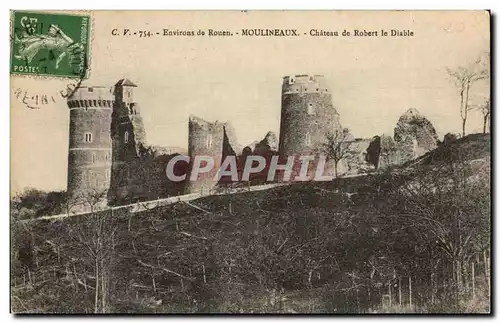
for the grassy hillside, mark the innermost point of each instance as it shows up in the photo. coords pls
(350, 245)
(471, 148)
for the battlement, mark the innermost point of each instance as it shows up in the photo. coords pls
(204, 124)
(304, 83)
(307, 114)
(92, 96)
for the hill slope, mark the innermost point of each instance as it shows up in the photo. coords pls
(307, 247)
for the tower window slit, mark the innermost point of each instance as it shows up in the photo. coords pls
(88, 137)
(209, 141)
(125, 137)
(310, 109)
(308, 139)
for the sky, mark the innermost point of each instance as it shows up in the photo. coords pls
(373, 80)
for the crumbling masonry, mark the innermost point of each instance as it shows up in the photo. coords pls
(109, 160)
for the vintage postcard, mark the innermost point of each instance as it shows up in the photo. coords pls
(333, 162)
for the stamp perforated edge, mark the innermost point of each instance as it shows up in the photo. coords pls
(55, 77)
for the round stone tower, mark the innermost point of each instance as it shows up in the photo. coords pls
(307, 114)
(89, 157)
(205, 139)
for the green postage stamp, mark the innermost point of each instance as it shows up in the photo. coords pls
(50, 44)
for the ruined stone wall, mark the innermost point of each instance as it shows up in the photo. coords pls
(116, 159)
(356, 161)
(161, 186)
(390, 152)
(205, 139)
(414, 136)
(266, 148)
(131, 173)
(231, 140)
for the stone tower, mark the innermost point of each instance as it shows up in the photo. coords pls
(129, 141)
(415, 135)
(90, 146)
(307, 114)
(213, 139)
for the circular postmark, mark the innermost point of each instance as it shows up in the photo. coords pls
(34, 98)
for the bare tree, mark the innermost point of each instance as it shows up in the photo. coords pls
(67, 204)
(94, 239)
(450, 207)
(337, 146)
(464, 78)
(94, 199)
(486, 111)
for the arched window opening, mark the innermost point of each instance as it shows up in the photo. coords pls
(310, 109)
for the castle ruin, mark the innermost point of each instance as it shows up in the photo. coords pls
(90, 142)
(307, 114)
(109, 159)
